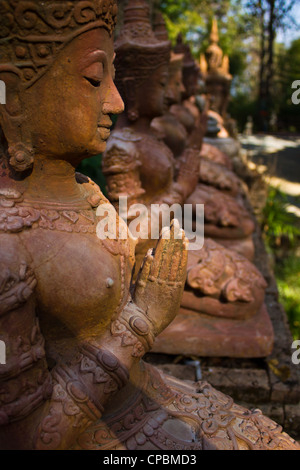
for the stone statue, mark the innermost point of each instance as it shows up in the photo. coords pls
(74, 334)
(139, 165)
(212, 153)
(208, 335)
(215, 166)
(215, 69)
(226, 218)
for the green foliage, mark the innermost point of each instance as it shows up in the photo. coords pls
(91, 167)
(193, 20)
(241, 106)
(282, 230)
(279, 226)
(240, 24)
(288, 281)
(287, 71)
(190, 25)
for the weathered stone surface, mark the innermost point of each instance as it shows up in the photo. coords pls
(181, 371)
(272, 410)
(248, 385)
(214, 154)
(203, 335)
(243, 246)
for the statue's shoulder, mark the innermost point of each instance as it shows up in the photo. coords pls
(122, 151)
(93, 192)
(15, 216)
(88, 184)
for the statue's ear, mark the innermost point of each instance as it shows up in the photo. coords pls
(131, 106)
(13, 120)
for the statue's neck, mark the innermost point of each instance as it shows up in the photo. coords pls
(53, 181)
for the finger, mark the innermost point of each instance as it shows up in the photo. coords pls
(160, 253)
(181, 270)
(145, 270)
(179, 258)
(171, 235)
(172, 250)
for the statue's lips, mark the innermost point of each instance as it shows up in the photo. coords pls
(104, 132)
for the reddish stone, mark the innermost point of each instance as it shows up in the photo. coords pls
(197, 334)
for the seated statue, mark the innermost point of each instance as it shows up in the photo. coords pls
(173, 94)
(215, 70)
(215, 172)
(226, 218)
(74, 332)
(139, 165)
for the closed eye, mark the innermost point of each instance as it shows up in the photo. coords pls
(93, 81)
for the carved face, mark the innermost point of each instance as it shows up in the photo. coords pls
(68, 109)
(175, 87)
(151, 95)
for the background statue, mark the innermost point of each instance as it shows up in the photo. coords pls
(74, 333)
(220, 294)
(215, 69)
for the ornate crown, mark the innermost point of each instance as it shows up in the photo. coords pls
(183, 48)
(138, 50)
(161, 32)
(159, 27)
(33, 32)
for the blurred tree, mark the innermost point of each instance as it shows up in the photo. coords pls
(287, 70)
(270, 17)
(193, 19)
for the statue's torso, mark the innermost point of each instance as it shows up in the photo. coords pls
(172, 131)
(156, 164)
(157, 169)
(82, 281)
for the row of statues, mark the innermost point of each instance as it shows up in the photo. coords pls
(75, 317)
(154, 157)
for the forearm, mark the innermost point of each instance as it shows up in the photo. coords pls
(83, 387)
(48, 410)
(188, 174)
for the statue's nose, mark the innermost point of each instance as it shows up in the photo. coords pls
(113, 103)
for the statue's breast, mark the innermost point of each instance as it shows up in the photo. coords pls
(82, 281)
(184, 116)
(172, 131)
(157, 165)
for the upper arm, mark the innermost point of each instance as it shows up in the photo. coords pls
(24, 378)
